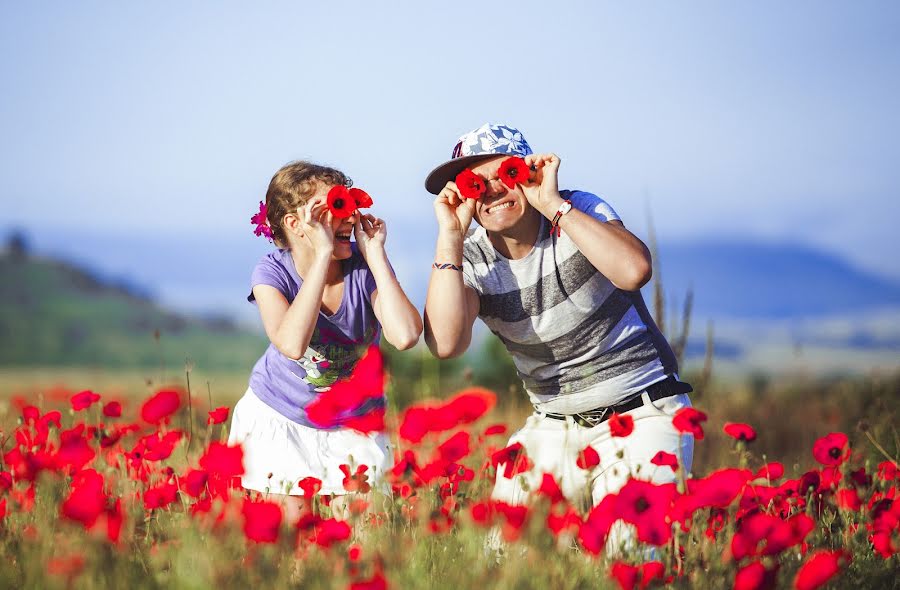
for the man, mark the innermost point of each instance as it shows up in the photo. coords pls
(556, 275)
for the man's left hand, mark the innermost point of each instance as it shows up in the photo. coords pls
(543, 191)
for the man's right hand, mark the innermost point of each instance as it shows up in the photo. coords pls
(454, 213)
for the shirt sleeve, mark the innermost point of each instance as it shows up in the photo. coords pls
(592, 205)
(268, 272)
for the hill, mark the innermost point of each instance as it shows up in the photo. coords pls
(55, 313)
(774, 281)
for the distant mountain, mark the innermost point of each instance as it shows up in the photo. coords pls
(748, 279)
(54, 313)
(731, 278)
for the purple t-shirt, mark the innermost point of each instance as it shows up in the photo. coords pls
(338, 341)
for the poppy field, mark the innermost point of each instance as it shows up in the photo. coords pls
(143, 491)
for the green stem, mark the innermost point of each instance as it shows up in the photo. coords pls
(880, 448)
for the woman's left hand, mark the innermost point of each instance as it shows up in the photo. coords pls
(543, 192)
(370, 233)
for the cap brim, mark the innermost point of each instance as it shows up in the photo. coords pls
(447, 171)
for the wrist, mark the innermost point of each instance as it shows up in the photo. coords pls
(551, 205)
(449, 247)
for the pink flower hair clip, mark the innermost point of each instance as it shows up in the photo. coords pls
(262, 222)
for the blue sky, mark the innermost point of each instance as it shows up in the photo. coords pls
(767, 119)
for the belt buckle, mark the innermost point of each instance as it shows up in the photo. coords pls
(593, 420)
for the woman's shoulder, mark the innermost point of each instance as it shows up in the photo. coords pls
(274, 269)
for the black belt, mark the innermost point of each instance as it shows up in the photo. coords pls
(666, 388)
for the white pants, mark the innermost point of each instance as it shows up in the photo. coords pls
(554, 445)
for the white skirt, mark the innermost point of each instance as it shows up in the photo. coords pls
(278, 453)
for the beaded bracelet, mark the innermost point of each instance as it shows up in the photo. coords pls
(446, 265)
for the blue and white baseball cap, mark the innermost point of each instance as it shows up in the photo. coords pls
(487, 141)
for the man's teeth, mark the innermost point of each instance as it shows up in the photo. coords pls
(505, 205)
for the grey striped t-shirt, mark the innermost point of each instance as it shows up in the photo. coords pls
(577, 341)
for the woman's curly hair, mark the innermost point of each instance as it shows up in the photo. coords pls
(291, 187)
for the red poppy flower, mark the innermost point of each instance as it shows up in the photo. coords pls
(328, 532)
(497, 429)
(567, 521)
(755, 576)
(513, 458)
(550, 489)
(262, 520)
(740, 431)
(376, 582)
(514, 518)
(832, 449)
(471, 404)
(887, 471)
(513, 171)
(482, 513)
(361, 198)
(310, 485)
(663, 458)
(160, 496)
(848, 499)
(621, 425)
(340, 202)
(629, 576)
(819, 568)
(689, 421)
(86, 499)
(74, 451)
(194, 482)
(84, 399)
(470, 185)
(366, 382)
(646, 506)
(356, 482)
(112, 410)
(456, 447)
(218, 415)
(369, 422)
(772, 471)
(160, 406)
(595, 529)
(261, 222)
(223, 460)
(587, 458)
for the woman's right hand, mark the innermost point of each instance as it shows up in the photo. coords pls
(454, 212)
(316, 223)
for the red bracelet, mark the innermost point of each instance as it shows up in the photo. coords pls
(564, 208)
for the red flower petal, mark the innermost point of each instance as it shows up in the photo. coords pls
(832, 449)
(340, 202)
(84, 399)
(513, 171)
(470, 185)
(160, 406)
(112, 410)
(819, 568)
(262, 521)
(689, 421)
(739, 431)
(663, 458)
(218, 416)
(587, 458)
(361, 198)
(621, 425)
